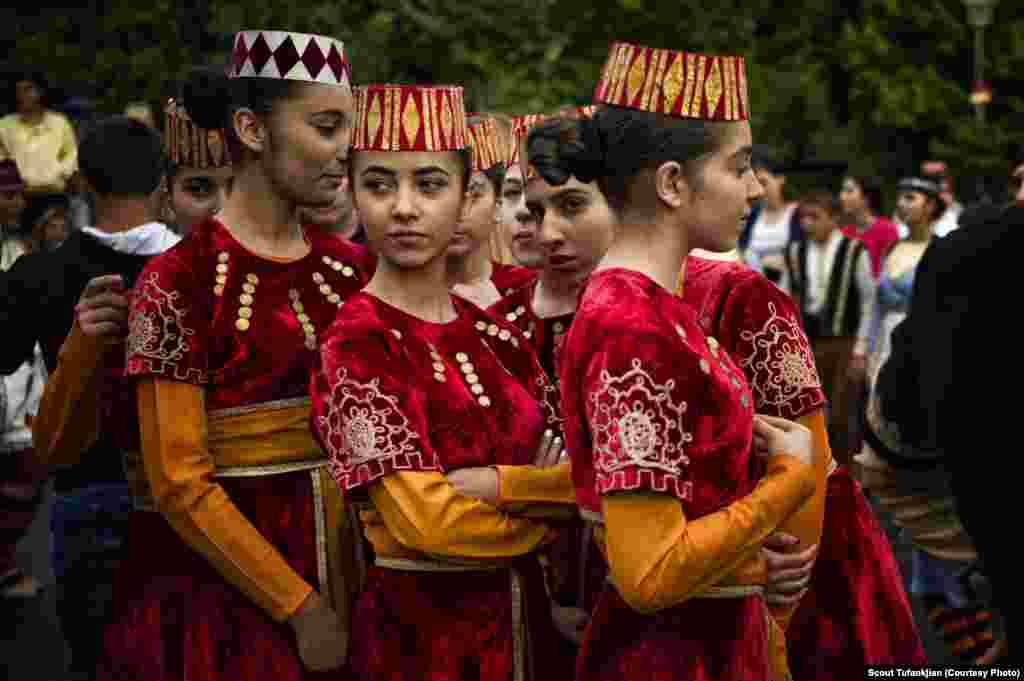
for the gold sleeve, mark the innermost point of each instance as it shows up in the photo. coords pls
(180, 470)
(807, 522)
(68, 421)
(658, 559)
(423, 512)
(537, 492)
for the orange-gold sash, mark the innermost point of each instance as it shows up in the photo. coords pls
(274, 438)
(747, 579)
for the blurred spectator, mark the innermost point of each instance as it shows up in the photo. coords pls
(92, 499)
(861, 202)
(834, 288)
(41, 141)
(936, 170)
(1015, 188)
(20, 475)
(774, 225)
(141, 112)
(935, 402)
(12, 204)
(45, 221)
(83, 114)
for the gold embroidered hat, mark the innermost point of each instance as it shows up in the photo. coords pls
(410, 118)
(488, 151)
(520, 129)
(290, 56)
(187, 144)
(681, 84)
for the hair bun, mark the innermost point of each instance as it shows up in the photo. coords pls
(564, 148)
(206, 94)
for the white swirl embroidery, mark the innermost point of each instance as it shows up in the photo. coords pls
(781, 367)
(157, 336)
(366, 433)
(636, 425)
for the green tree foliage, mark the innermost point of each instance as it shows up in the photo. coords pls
(882, 84)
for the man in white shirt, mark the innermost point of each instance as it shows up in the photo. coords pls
(834, 288)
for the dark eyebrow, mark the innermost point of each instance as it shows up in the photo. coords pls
(419, 172)
(380, 170)
(561, 193)
(429, 170)
(517, 182)
(556, 196)
(334, 113)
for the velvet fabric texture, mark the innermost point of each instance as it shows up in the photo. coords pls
(577, 573)
(856, 611)
(651, 404)
(545, 335)
(189, 310)
(760, 327)
(575, 567)
(703, 639)
(397, 394)
(175, 618)
(639, 366)
(453, 626)
(508, 278)
(376, 357)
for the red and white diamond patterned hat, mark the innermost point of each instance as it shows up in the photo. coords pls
(290, 56)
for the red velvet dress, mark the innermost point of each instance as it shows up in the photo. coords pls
(856, 611)
(578, 570)
(508, 278)
(175, 617)
(649, 404)
(395, 394)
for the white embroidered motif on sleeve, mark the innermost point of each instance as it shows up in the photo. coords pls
(637, 425)
(366, 433)
(780, 366)
(157, 335)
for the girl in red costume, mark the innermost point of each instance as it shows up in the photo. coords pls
(854, 611)
(474, 270)
(666, 453)
(416, 383)
(247, 549)
(575, 227)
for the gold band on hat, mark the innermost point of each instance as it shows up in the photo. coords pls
(410, 118)
(488, 151)
(680, 84)
(187, 144)
(520, 129)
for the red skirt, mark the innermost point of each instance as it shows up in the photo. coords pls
(703, 639)
(452, 626)
(176, 619)
(856, 612)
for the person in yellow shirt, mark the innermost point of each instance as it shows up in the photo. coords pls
(41, 141)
